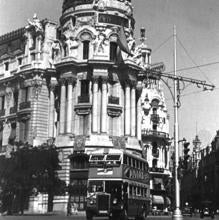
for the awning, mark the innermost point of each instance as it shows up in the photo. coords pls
(168, 201)
(157, 200)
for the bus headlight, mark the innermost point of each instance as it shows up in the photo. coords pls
(115, 201)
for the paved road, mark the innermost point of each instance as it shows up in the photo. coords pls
(80, 217)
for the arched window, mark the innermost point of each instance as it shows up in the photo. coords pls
(86, 49)
(113, 51)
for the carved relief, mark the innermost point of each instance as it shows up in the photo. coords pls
(99, 43)
(79, 143)
(119, 142)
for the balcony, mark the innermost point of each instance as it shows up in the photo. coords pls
(13, 110)
(155, 118)
(153, 133)
(2, 112)
(156, 170)
(83, 107)
(24, 105)
(113, 100)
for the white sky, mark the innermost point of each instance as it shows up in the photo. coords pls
(197, 23)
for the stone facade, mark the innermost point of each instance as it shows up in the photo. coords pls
(155, 140)
(79, 84)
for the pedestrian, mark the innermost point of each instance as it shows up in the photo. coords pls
(75, 208)
(69, 212)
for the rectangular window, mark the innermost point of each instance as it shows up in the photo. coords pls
(33, 56)
(19, 60)
(84, 87)
(6, 66)
(113, 51)
(2, 102)
(86, 49)
(26, 94)
(16, 98)
(26, 130)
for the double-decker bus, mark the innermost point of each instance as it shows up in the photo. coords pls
(118, 185)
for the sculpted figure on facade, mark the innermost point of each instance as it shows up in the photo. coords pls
(100, 5)
(100, 43)
(56, 51)
(36, 24)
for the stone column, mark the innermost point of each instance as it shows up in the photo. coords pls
(168, 158)
(139, 109)
(69, 105)
(121, 119)
(104, 106)
(95, 105)
(133, 111)
(39, 42)
(62, 107)
(51, 110)
(127, 109)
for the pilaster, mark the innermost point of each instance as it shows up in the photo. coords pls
(95, 106)
(62, 107)
(133, 110)
(127, 109)
(104, 105)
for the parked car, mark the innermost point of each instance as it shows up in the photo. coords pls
(187, 211)
(205, 211)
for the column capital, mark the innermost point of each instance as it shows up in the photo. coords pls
(95, 79)
(62, 81)
(133, 83)
(52, 86)
(71, 80)
(104, 79)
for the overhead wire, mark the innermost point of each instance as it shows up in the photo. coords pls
(193, 61)
(165, 41)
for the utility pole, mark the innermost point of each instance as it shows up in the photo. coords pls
(158, 73)
(177, 212)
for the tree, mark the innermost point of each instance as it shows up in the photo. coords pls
(29, 170)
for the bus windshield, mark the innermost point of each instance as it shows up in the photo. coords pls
(112, 157)
(95, 186)
(97, 157)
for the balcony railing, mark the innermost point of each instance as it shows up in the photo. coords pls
(155, 118)
(153, 133)
(156, 169)
(13, 110)
(84, 99)
(24, 105)
(113, 100)
(2, 112)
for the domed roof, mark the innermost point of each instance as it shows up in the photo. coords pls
(72, 3)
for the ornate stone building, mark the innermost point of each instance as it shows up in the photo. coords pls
(155, 138)
(79, 84)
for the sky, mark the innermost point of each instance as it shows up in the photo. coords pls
(197, 26)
